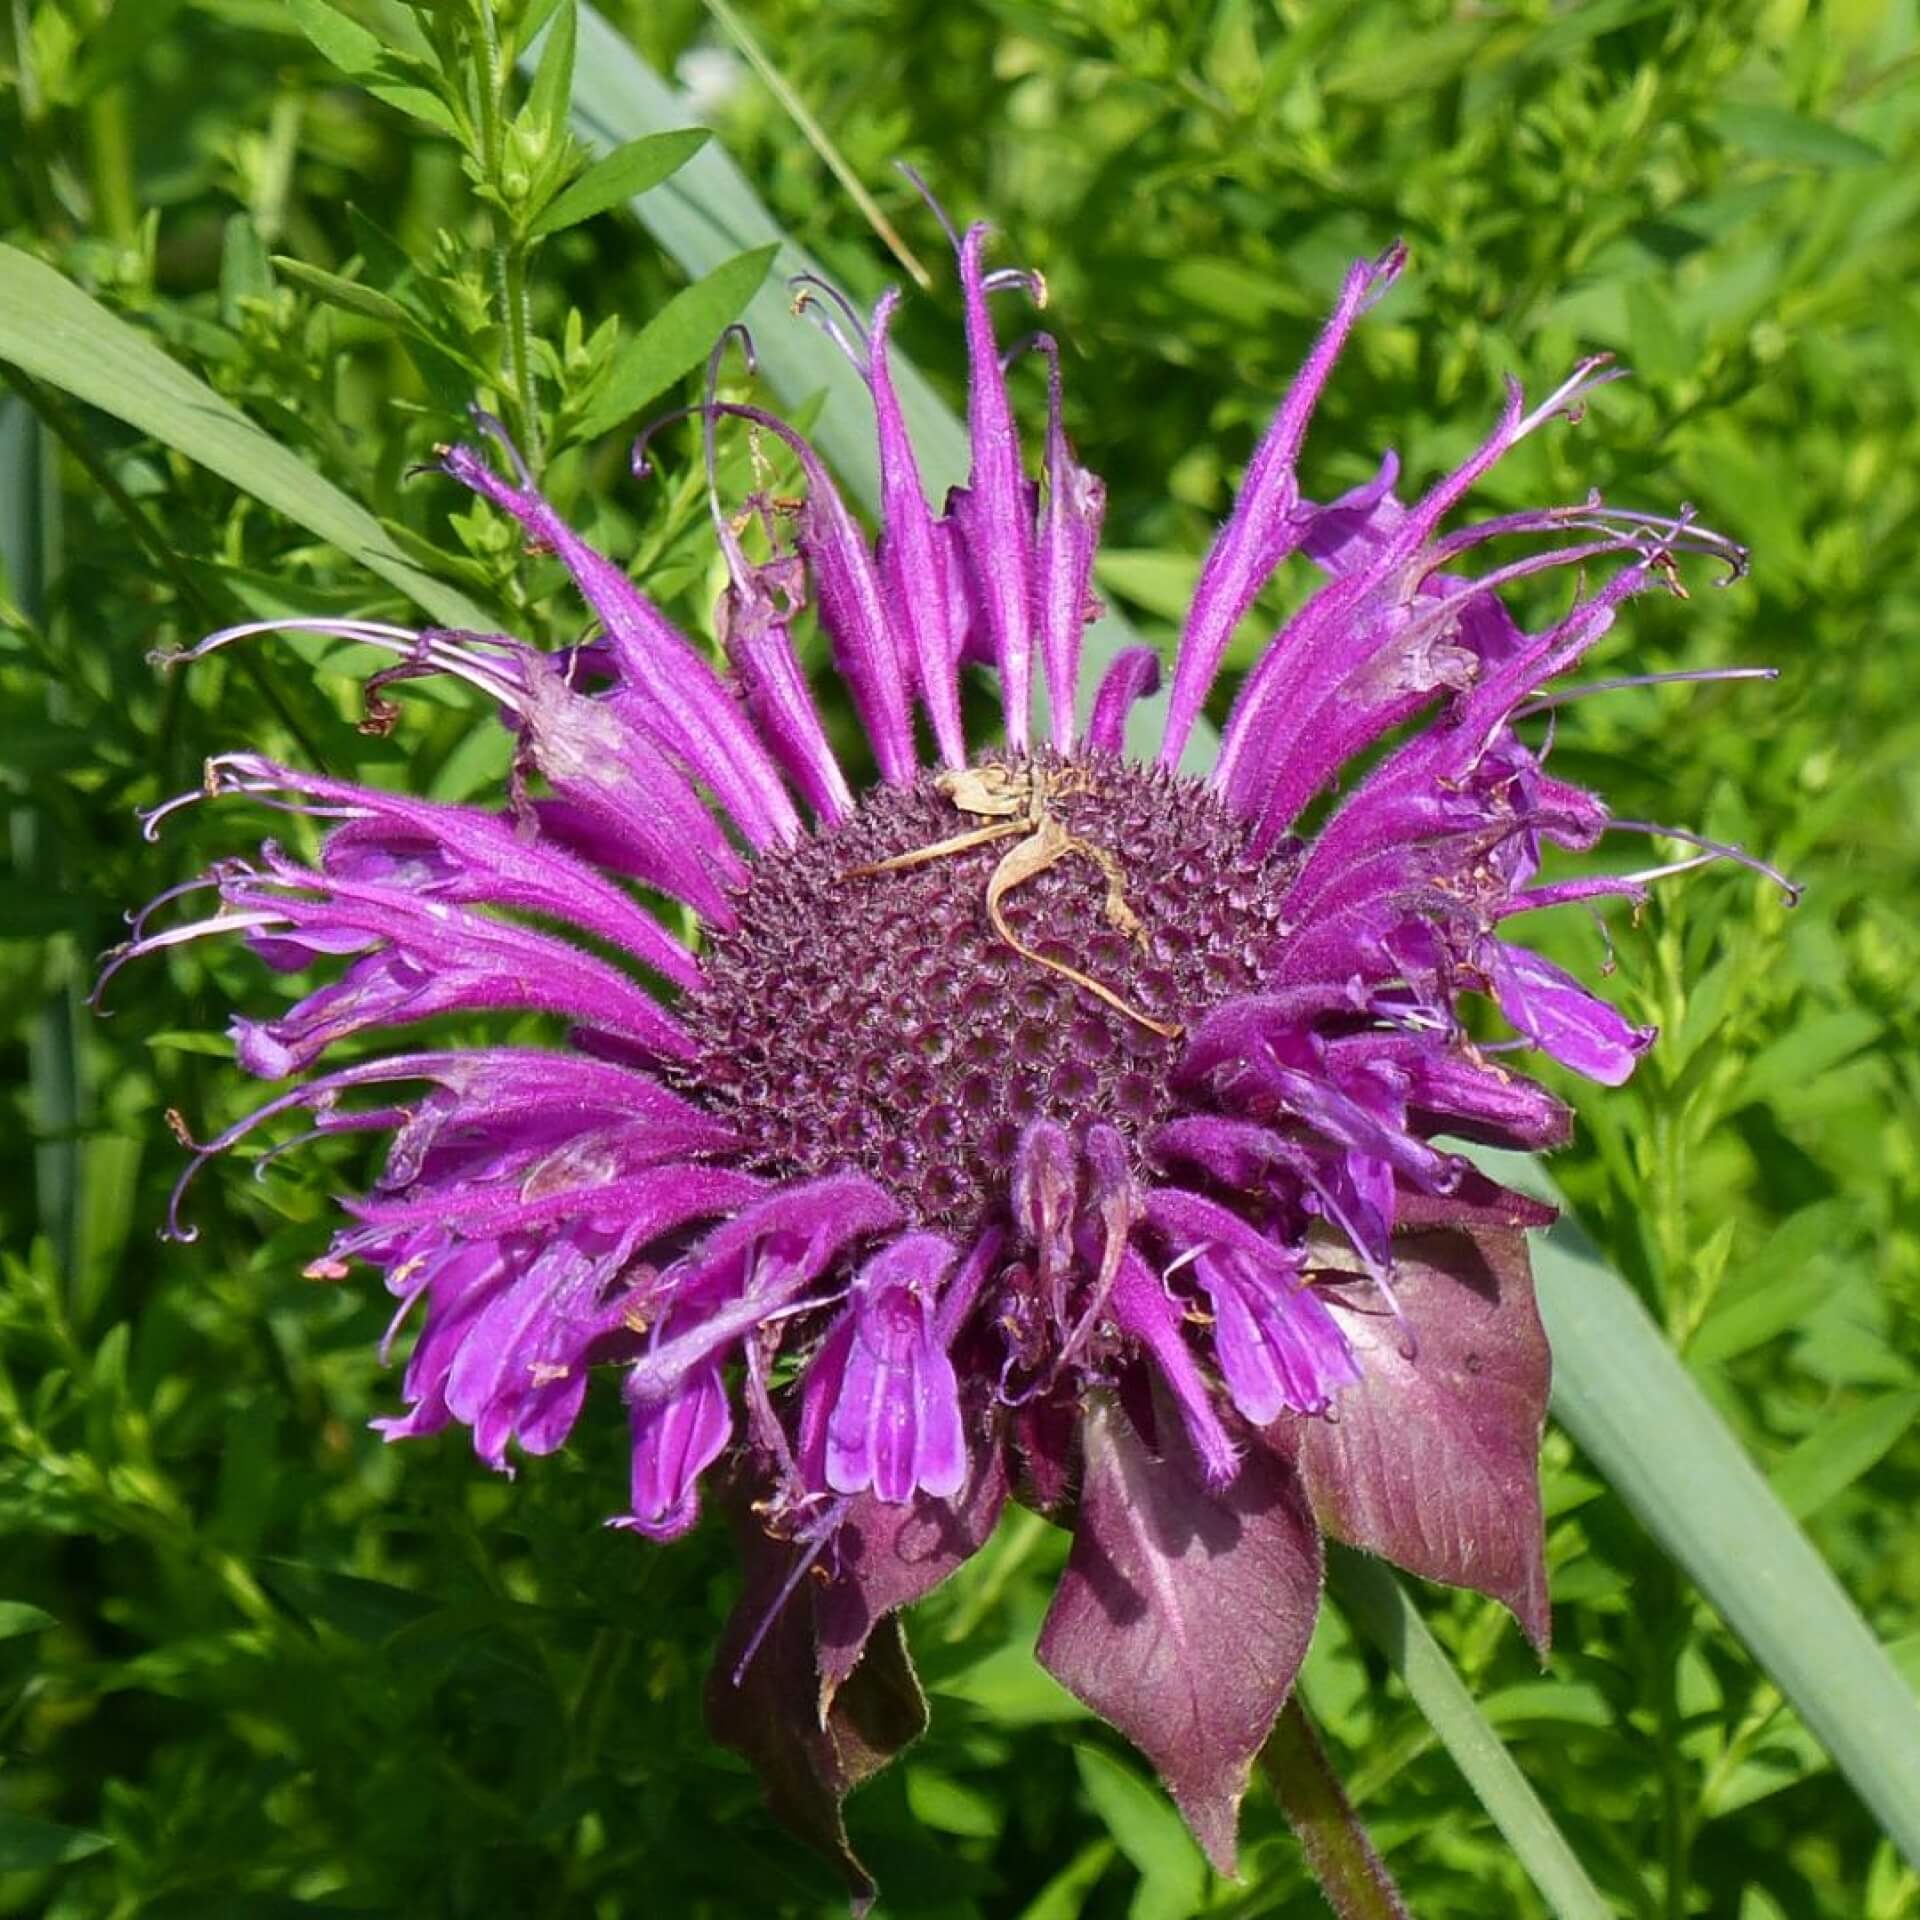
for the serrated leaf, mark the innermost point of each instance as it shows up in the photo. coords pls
(345, 42)
(635, 168)
(338, 291)
(1831, 1460)
(54, 331)
(1778, 133)
(676, 339)
(30, 1846)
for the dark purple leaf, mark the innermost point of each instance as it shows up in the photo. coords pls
(884, 1557)
(1185, 1611)
(770, 1710)
(1433, 1461)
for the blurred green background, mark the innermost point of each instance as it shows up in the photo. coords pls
(256, 1663)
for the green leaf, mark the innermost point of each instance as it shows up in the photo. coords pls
(419, 103)
(52, 330)
(1831, 1460)
(345, 42)
(1173, 1875)
(1626, 1398)
(30, 1846)
(340, 292)
(246, 273)
(1754, 1318)
(1777, 133)
(17, 1617)
(1374, 1601)
(552, 87)
(676, 339)
(1810, 1049)
(635, 168)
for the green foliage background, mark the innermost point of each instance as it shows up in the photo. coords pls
(252, 1662)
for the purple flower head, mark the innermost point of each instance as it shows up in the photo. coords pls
(1039, 1123)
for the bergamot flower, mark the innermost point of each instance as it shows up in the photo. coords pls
(1036, 1121)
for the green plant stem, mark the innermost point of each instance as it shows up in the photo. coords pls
(1351, 1875)
(516, 319)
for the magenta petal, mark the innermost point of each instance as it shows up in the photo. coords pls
(674, 1442)
(1134, 675)
(1433, 1461)
(1184, 1612)
(895, 1425)
(1560, 1016)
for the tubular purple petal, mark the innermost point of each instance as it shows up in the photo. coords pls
(1263, 528)
(994, 510)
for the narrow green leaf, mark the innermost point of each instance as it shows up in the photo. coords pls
(1830, 1461)
(30, 1846)
(1777, 133)
(52, 330)
(552, 88)
(1173, 1876)
(1625, 1397)
(345, 42)
(338, 291)
(1755, 1318)
(17, 1617)
(1808, 1050)
(677, 339)
(1374, 1601)
(635, 168)
(245, 271)
(533, 19)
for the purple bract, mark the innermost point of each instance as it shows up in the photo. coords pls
(1063, 1126)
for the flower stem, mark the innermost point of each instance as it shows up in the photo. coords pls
(1352, 1876)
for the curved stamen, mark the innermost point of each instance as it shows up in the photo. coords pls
(495, 430)
(843, 325)
(638, 464)
(738, 570)
(430, 649)
(1569, 399)
(1715, 849)
(137, 919)
(176, 937)
(1541, 703)
(926, 193)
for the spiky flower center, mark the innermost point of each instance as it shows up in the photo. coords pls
(868, 1013)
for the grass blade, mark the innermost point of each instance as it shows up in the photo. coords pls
(1622, 1393)
(51, 329)
(1376, 1603)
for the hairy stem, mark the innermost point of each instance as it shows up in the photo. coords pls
(1351, 1875)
